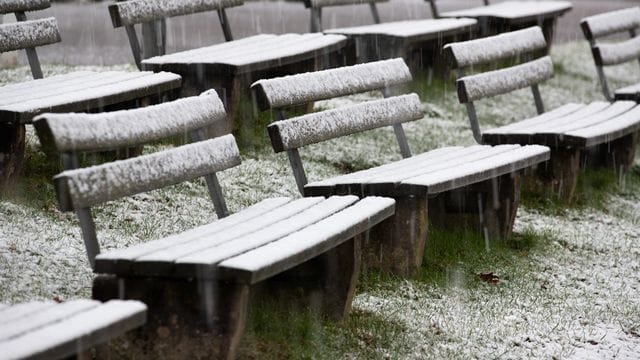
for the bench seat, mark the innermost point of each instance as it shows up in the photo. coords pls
(49, 330)
(514, 12)
(249, 54)
(575, 125)
(413, 30)
(80, 91)
(631, 92)
(254, 244)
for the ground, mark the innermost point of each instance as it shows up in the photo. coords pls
(568, 287)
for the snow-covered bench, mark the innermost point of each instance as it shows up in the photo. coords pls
(511, 15)
(608, 131)
(78, 91)
(605, 54)
(417, 41)
(439, 183)
(49, 330)
(197, 283)
(229, 67)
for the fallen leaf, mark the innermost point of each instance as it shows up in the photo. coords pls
(489, 278)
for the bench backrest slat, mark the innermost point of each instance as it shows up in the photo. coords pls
(9, 6)
(142, 11)
(322, 3)
(81, 188)
(614, 54)
(28, 34)
(317, 127)
(610, 23)
(303, 88)
(104, 131)
(479, 86)
(490, 49)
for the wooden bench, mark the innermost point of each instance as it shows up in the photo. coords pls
(229, 67)
(606, 54)
(511, 15)
(197, 283)
(77, 91)
(419, 42)
(49, 330)
(476, 186)
(608, 131)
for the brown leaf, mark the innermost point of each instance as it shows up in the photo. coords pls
(489, 278)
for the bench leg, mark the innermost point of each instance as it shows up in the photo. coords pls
(617, 155)
(488, 207)
(186, 319)
(560, 174)
(324, 285)
(12, 144)
(396, 245)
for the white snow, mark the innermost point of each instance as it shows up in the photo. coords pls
(612, 54)
(7, 6)
(501, 81)
(613, 21)
(513, 9)
(97, 184)
(82, 132)
(28, 34)
(409, 28)
(316, 127)
(140, 11)
(306, 87)
(321, 3)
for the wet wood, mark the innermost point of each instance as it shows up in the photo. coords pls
(617, 155)
(559, 175)
(12, 145)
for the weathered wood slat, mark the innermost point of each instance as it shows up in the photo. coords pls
(317, 127)
(562, 125)
(38, 319)
(15, 312)
(488, 168)
(568, 110)
(141, 11)
(127, 128)
(9, 6)
(104, 90)
(206, 260)
(28, 34)
(303, 88)
(631, 92)
(618, 53)
(116, 261)
(249, 54)
(77, 333)
(486, 50)
(491, 83)
(162, 262)
(278, 256)
(516, 11)
(14, 92)
(322, 3)
(609, 130)
(94, 185)
(611, 22)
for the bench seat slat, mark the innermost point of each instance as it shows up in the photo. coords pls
(486, 50)
(618, 53)
(161, 262)
(611, 22)
(13, 93)
(301, 246)
(116, 261)
(94, 94)
(85, 187)
(205, 261)
(38, 319)
(9, 6)
(491, 83)
(77, 333)
(28, 34)
(562, 126)
(322, 3)
(568, 110)
(408, 29)
(476, 171)
(260, 52)
(103, 131)
(611, 129)
(18, 311)
(631, 92)
(320, 85)
(141, 11)
(317, 127)
(514, 10)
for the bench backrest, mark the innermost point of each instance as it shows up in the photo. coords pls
(521, 44)
(27, 34)
(79, 189)
(317, 5)
(436, 13)
(290, 134)
(152, 14)
(614, 22)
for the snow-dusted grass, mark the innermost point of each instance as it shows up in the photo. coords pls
(568, 287)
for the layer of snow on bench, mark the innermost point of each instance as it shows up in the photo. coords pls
(614, 21)
(406, 28)
(28, 34)
(513, 9)
(7, 6)
(613, 54)
(135, 12)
